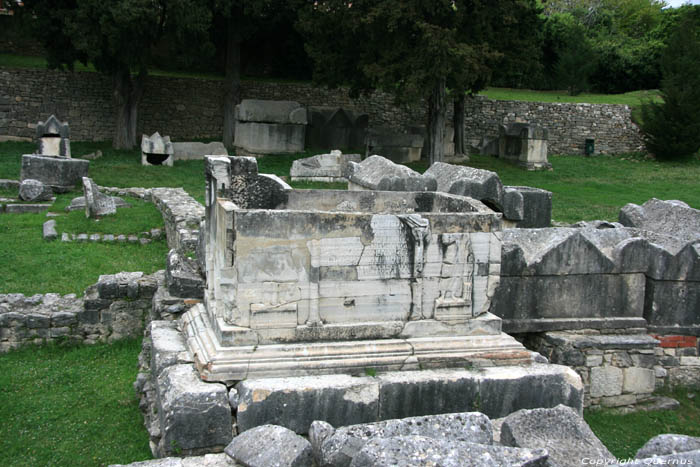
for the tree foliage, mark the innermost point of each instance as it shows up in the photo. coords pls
(672, 128)
(117, 37)
(413, 50)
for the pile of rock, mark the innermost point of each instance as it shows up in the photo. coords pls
(539, 437)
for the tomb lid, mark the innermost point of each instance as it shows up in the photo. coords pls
(264, 111)
(156, 144)
(52, 127)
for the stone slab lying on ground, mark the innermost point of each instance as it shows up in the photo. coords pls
(26, 208)
(337, 446)
(559, 430)
(323, 167)
(663, 445)
(208, 460)
(674, 218)
(6, 184)
(479, 184)
(379, 173)
(270, 445)
(420, 450)
(197, 150)
(344, 400)
(34, 190)
(78, 203)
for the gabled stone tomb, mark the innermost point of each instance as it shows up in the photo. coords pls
(53, 137)
(304, 282)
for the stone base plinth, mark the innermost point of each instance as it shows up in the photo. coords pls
(61, 173)
(479, 344)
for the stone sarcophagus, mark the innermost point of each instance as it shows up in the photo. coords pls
(53, 137)
(316, 281)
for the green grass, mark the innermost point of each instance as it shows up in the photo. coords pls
(631, 99)
(71, 406)
(623, 435)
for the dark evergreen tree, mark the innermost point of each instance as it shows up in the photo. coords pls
(413, 49)
(672, 128)
(117, 38)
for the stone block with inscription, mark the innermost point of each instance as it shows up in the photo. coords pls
(320, 282)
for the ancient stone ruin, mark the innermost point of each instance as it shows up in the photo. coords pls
(335, 127)
(189, 150)
(398, 147)
(331, 167)
(269, 127)
(156, 150)
(60, 173)
(524, 144)
(53, 137)
(379, 173)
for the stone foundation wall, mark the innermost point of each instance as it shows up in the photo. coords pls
(116, 307)
(621, 369)
(192, 108)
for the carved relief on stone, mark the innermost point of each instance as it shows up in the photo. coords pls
(456, 278)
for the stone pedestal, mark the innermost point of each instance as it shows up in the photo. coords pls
(525, 145)
(60, 173)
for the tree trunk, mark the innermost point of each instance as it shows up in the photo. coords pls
(458, 123)
(127, 94)
(233, 75)
(436, 123)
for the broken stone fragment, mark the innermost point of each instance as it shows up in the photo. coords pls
(96, 203)
(34, 190)
(269, 445)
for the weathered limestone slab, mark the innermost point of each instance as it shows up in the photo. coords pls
(60, 173)
(342, 400)
(527, 207)
(336, 127)
(269, 445)
(53, 137)
(479, 184)
(182, 276)
(339, 446)
(196, 150)
(168, 346)
(270, 127)
(674, 218)
(208, 460)
(524, 144)
(34, 190)
(156, 150)
(78, 203)
(606, 381)
(407, 450)
(380, 173)
(560, 430)
(398, 147)
(663, 445)
(25, 208)
(49, 230)
(195, 417)
(323, 167)
(96, 203)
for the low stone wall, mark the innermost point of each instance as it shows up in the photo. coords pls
(84, 100)
(621, 369)
(114, 308)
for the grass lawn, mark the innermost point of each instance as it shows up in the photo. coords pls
(71, 406)
(631, 99)
(583, 189)
(623, 435)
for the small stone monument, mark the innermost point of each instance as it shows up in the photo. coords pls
(156, 150)
(53, 137)
(269, 127)
(524, 144)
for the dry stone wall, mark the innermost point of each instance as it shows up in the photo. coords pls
(192, 108)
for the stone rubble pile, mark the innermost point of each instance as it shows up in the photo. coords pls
(552, 437)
